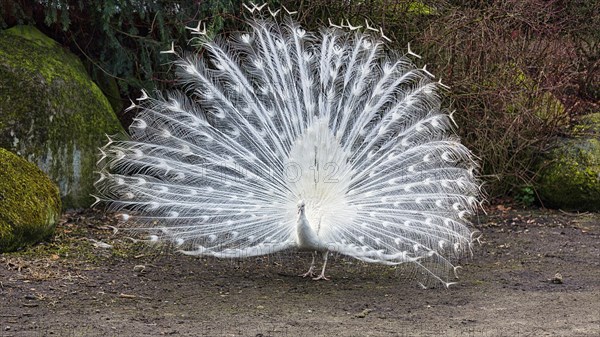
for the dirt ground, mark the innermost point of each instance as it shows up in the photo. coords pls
(76, 285)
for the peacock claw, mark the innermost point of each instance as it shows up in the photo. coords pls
(320, 277)
(308, 273)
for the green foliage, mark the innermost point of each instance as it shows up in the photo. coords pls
(526, 196)
(121, 38)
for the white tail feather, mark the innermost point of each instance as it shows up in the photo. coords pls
(280, 115)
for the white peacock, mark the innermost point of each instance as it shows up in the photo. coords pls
(285, 139)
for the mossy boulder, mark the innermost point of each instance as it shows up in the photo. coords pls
(107, 84)
(29, 203)
(570, 178)
(51, 113)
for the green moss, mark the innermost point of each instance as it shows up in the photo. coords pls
(51, 112)
(588, 126)
(29, 203)
(572, 179)
(33, 35)
(417, 7)
(31, 47)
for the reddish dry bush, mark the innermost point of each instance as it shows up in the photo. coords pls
(511, 65)
(519, 70)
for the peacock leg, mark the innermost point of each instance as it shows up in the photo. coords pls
(310, 271)
(322, 276)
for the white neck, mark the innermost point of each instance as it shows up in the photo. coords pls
(307, 238)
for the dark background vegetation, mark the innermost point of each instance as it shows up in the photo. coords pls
(520, 71)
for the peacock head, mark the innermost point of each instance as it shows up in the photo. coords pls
(301, 206)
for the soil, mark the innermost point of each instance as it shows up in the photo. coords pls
(535, 273)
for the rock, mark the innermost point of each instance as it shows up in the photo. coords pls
(140, 268)
(29, 203)
(557, 279)
(107, 84)
(364, 313)
(51, 113)
(570, 178)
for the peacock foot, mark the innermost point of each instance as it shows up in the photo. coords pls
(308, 273)
(321, 277)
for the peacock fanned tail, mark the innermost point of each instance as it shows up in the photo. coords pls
(278, 115)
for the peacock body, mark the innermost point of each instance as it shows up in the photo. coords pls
(285, 139)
